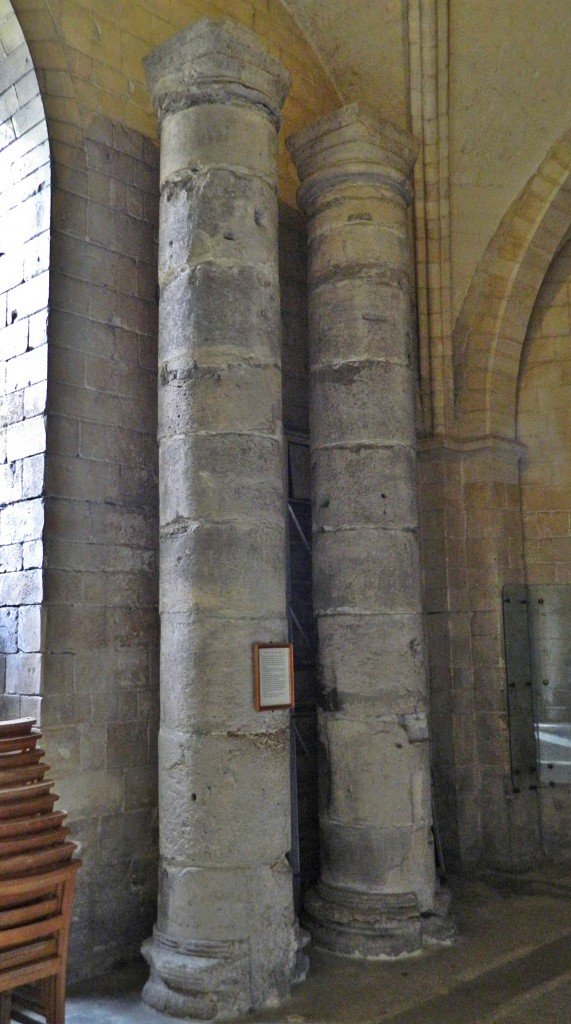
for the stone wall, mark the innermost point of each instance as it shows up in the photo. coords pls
(100, 709)
(24, 271)
(472, 547)
(544, 426)
(94, 54)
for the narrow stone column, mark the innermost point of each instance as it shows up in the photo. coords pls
(225, 937)
(377, 856)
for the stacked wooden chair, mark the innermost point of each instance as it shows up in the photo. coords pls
(37, 877)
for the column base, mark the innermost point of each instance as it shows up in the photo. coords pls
(372, 925)
(202, 981)
(210, 981)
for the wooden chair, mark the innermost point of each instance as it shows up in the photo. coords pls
(37, 877)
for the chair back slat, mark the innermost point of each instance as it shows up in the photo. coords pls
(16, 794)
(39, 860)
(40, 805)
(28, 826)
(27, 889)
(37, 875)
(13, 744)
(45, 907)
(36, 841)
(17, 727)
(29, 933)
(10, 776)
(33, 951)
(28, 973)
(21, 758)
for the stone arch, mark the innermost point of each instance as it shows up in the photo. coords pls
(490, 330)
(94, 65)
(25, 199)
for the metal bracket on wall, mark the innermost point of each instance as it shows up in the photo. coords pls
(523, 745)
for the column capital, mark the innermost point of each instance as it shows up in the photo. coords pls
(215, 62)
(348, 146)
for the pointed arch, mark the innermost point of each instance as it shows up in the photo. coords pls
(490, 330)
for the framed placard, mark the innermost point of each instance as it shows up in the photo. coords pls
(273, 676)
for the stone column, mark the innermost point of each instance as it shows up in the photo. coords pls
(225, 937)
(377, 884)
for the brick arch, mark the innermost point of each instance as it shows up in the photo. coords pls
(491, 328)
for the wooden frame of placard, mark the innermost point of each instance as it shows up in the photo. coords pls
(288, 688)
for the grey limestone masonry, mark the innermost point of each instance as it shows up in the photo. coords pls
(100, 702)
(79, 528)
(25, 193)
(225, 939)
(377, 888)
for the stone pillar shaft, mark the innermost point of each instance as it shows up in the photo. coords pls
(377, 856)
(224, 940)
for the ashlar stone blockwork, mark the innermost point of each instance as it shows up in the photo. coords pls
(377, 860)
(25, 196)
(225, 938)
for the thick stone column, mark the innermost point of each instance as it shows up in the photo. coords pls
(377, 874)
(225, 938)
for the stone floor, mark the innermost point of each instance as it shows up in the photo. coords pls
(510, 965)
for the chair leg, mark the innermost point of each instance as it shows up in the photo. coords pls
(59, 997)
(54, 999)
(5, 1008)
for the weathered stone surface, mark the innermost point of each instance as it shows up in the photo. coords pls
(225, 939)
(8, 630)
(345, 582)
(217, 214)
(389, 499)
(237, 399)
(372, 245)
(377, 861)
(218, 312)
(379, 318)
(227, 569)
(191, 657)
(364, 924)
(359, 402)
(226, 787)
(201, 137)
(352, 144)
(194, 472)
(370, 661)
(188, 69)
(211, 979)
